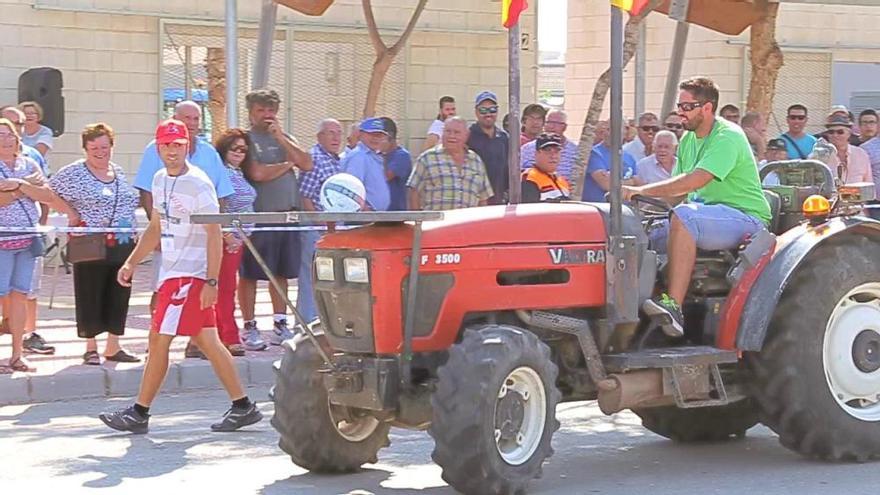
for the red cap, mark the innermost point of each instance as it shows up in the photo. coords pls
(172, 131)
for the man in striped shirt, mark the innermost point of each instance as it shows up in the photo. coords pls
(325, 161)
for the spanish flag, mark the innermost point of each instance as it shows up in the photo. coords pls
(634, 7)
(510, 11)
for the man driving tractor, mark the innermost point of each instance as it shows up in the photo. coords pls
(716, 172)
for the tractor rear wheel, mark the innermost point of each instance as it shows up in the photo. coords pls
(318, 435)
(817, 379)
(701, 424)
(494, 410)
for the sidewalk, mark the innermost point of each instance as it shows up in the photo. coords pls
(63, 376)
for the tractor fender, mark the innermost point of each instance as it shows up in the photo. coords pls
(792, 250)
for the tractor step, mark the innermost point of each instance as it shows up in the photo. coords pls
(667, 358)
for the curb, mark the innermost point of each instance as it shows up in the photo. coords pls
(24, 388)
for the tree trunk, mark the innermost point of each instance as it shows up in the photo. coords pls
(384, 54)
(600, 91)
(766, 60)
(380, 68)
(215, 63)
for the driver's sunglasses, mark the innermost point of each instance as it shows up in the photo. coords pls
(650, 128)
(676, 127)
(488, 110)
(797, 117)
(687, 106)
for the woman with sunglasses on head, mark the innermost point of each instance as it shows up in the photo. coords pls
(234, 148)
(851, 163)
(21, 186)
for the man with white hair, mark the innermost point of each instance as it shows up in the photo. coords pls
(202, 155)
(325, 164)
(658, 166)
(556, 123)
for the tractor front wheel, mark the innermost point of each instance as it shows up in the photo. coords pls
(318, 435)
(494, 410)
(817, 379)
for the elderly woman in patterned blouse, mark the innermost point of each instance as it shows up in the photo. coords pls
(93, 192)
(21, 187)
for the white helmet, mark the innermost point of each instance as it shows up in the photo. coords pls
(343, 193)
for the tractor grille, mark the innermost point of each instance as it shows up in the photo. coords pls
(346, 308)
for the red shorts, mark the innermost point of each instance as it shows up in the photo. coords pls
(179, 308)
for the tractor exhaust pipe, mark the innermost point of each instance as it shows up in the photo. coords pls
(629, 390)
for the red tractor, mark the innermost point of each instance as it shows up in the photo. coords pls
(475, 327)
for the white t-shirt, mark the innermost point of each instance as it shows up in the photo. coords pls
(42, 136)
(650, 170)
(436, 128)
(184, 245)
(636, 148)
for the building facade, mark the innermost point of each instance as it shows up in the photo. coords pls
(126, 62)
(830, 58)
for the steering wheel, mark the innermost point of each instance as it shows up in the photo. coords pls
(657, 203)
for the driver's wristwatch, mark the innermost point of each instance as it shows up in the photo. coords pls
(212, 282)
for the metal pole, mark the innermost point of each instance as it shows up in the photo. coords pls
(268, 16)
(411, 300)
(616, 118)
(513, 166)
(187, 72)
(641, 70)
(232, 63)
(675, 61)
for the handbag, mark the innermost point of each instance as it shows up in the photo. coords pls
(91, 247)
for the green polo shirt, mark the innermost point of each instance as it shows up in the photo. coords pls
(724, 153)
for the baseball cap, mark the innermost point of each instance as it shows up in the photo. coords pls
(545, 140)
(171, 131)
(373, 124)
(838, 109)
(485, 95)
(776, 144)
(837, 120)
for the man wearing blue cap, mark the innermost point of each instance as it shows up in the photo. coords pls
(490, 143)
(367, 164)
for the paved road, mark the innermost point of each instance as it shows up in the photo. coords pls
(62, 446)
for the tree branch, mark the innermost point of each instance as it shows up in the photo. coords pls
(372, 28)
(600, 91)
(409, 28)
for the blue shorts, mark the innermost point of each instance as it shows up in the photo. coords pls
(714, 227)
(16, 270)
(280, 250)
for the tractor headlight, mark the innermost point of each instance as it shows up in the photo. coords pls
(356, 270)
(324, 268)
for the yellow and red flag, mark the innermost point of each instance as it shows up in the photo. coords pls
(510, 11)
(634, 7)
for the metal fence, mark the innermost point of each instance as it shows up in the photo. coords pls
(318, 74)
(806, 79)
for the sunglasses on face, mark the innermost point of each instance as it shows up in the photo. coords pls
(839, 132)
(488, 110)
(797, 117)
(674, 126)
(650, 128)
(239, 149)
(687, 106)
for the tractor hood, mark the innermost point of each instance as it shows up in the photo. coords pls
(535, 223)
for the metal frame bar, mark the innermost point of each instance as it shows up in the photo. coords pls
(676, 60)
(514, 123)
(265, 39)
(231, 63)
(282, 293)
(410, 310)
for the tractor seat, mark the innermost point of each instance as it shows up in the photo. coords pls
(775, 207)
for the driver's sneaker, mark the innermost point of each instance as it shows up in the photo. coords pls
(280, 333)
(238, 417)
(128, 419)
(666, 313)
